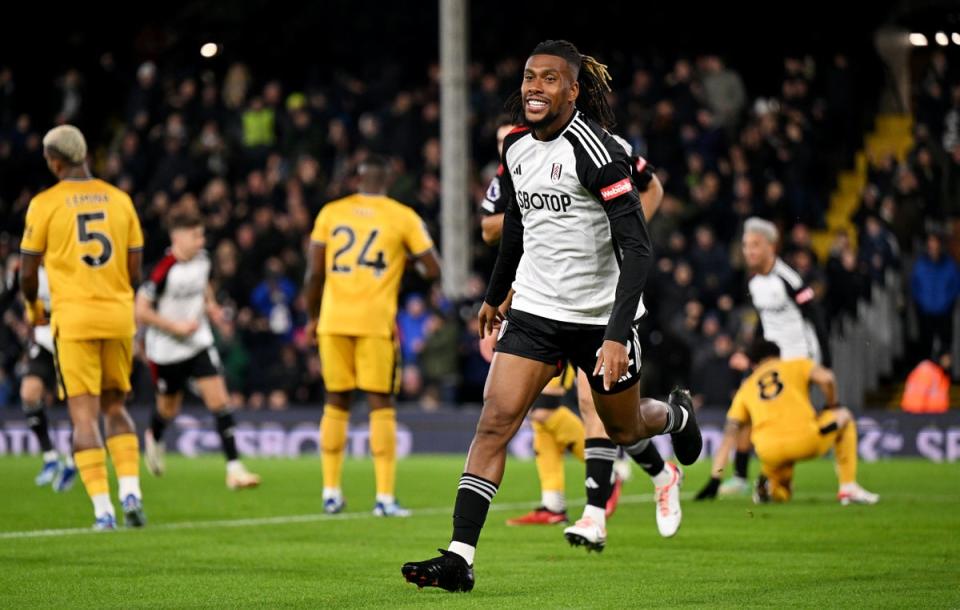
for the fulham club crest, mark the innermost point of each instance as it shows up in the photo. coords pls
(555, 173)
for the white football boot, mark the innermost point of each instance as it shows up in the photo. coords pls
(667, 497)
(587, 533)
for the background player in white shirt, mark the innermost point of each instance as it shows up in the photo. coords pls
(787, 317)
(36, 393)
(174, 304)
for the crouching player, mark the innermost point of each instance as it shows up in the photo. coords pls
(787, 429)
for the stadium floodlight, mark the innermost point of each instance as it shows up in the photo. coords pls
(918, 40)
(942, 39)
(209, 49)
(955, 37)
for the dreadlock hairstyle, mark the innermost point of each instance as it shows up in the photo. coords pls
(591, 74)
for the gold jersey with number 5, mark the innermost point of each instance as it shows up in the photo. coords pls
(84, 230)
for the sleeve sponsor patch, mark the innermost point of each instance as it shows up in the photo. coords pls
(493, 191)
(621, 187)
(804, 296)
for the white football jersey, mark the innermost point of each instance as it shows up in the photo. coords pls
(777, 297)
(178, 292)
(570, 264)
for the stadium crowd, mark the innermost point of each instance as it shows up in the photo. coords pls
(259, 157)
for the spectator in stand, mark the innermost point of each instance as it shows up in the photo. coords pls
(846, 285)
(270, 329)
(724, 91)
(439, 360)
(259, 156)
(711, 265)
(929, 182)
(235, 359)
(951, 183)
(878, 250)
(713, 382)
(935, 286)
(804, 262)
(909, 210)
(412, 326)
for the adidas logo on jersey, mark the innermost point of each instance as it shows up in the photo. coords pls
(516, 170)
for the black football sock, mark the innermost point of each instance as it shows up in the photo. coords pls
(474, 495)
(38, 423)
(226, 427)
(599, 455)
(740, 463)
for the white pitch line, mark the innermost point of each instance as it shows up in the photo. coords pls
(280, 520)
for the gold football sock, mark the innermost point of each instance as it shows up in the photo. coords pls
(383, 448)
(92, 464)
(125, 454)
(333, 444)
(549, 459)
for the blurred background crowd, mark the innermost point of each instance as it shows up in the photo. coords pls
(259, 154)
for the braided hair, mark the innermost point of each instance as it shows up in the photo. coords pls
(592, 75)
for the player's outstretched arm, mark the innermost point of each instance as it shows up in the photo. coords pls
(720, 458)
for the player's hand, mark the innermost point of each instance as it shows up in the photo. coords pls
(487, 345)
(184, 328)
(215, 313)
(709, 491)
(490, 319)
(36, 314)
(311, 331)
(612, 361)
(739, 361)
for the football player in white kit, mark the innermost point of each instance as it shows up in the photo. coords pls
(176, 305)
(667, 477)
(788, 318)
(576, 252)
(36, 392)
(784, 303)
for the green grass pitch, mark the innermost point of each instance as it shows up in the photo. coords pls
(208, 547)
